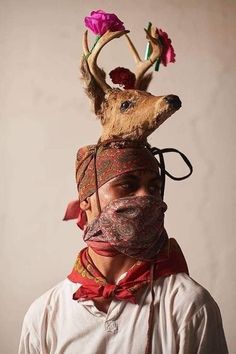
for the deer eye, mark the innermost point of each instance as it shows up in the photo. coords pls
(125, 105)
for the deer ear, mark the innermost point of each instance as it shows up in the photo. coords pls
(144, 82)
(92, 88)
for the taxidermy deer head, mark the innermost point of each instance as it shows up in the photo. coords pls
(131, 113)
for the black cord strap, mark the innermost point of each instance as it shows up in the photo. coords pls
(155, 151)
(96, 180)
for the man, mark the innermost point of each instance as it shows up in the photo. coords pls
(129, 291)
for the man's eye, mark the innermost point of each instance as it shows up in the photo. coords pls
(127, 185)
(155, 189)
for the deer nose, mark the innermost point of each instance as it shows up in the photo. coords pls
(174, 101)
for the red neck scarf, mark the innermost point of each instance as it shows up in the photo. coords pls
(94, 285)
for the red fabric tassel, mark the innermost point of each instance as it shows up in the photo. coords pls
(74, 211)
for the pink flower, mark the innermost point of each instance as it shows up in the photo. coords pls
(123, 77)
(168, 54)
(99, 22)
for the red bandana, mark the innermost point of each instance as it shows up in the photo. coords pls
(170, 261)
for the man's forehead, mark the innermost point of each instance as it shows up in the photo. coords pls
(139, 174)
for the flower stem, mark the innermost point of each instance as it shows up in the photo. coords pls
(157, 65)
(148, 47)
(96, 40)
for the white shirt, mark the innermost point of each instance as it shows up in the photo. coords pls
(186, 321)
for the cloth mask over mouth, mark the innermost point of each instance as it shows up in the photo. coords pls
(133, 226)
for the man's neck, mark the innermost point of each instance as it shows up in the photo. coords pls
(111, 267)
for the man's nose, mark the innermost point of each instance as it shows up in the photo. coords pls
(142, 192)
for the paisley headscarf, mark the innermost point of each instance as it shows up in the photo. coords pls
(97, 164)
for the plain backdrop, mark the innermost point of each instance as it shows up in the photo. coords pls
(45, 117)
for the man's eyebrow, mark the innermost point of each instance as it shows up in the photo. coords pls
(130, 176)
(156, 179)
(126, 176)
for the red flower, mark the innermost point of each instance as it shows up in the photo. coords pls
(99, 22)
(124, 77)
(168, 54)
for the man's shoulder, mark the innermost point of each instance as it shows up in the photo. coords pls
(51, 299)
(194, 314)
(184, 284)
(186, 300)
(184, 291)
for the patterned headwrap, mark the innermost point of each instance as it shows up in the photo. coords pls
(97, 164)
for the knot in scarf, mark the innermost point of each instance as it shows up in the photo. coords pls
(106, 291)
(93, 284)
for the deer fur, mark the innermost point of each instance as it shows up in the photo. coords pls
(144, 114)
(125, 114)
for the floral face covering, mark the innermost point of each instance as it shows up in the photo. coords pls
(133, 226)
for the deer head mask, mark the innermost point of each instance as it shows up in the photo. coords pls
(131, 114)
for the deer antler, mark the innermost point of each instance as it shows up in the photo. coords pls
(92, 55)
(143, 65)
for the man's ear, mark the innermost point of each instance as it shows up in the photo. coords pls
(86, 204)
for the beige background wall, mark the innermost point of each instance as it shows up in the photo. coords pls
(45, 117)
